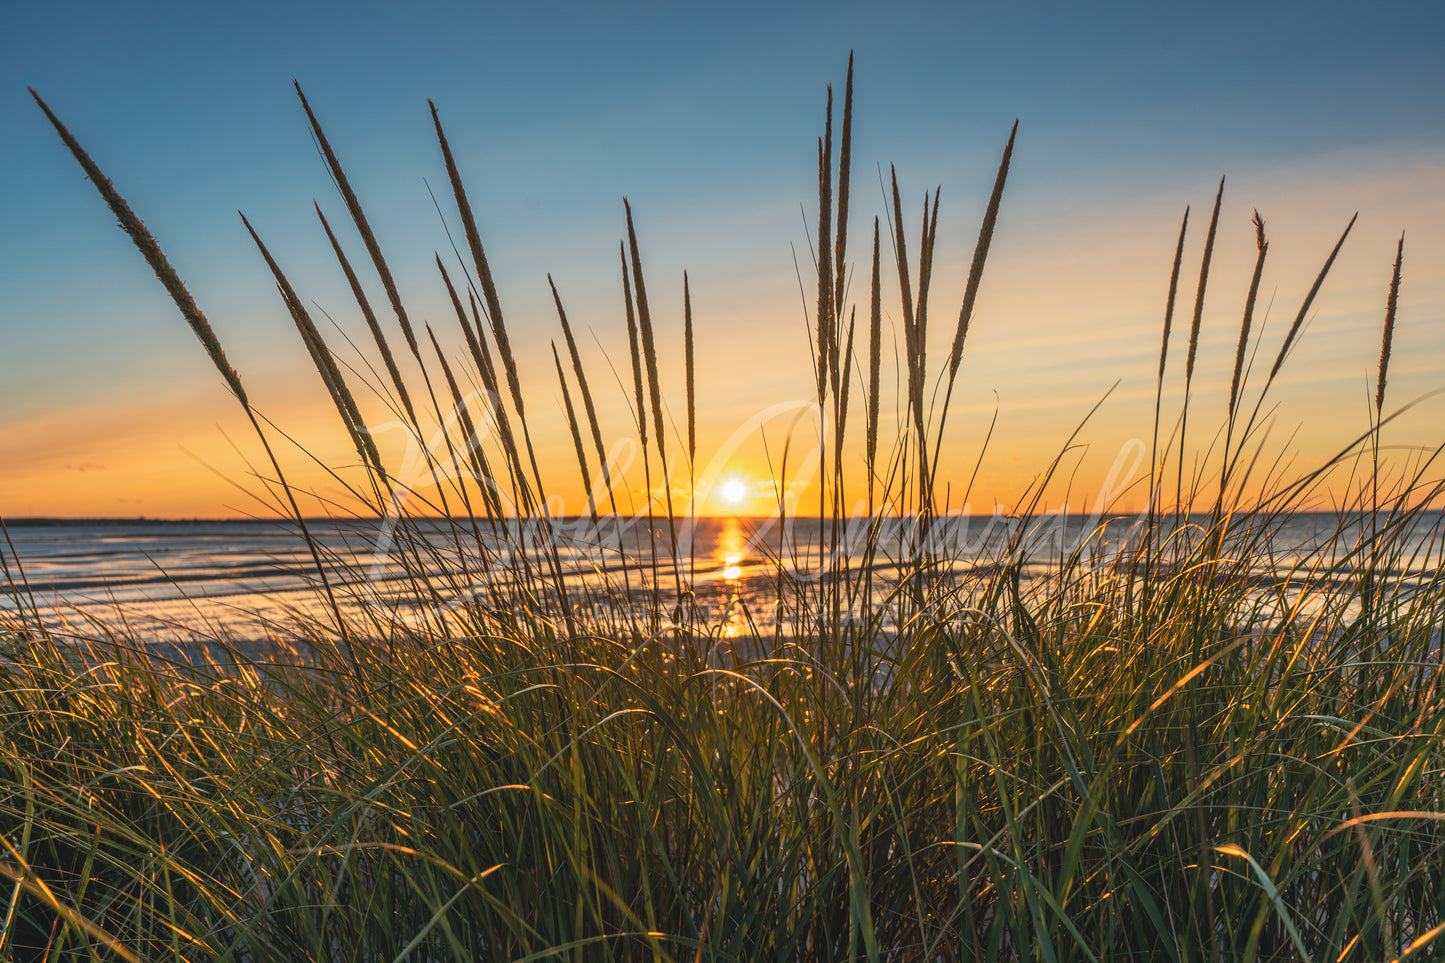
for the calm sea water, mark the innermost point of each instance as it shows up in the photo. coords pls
(247, 578)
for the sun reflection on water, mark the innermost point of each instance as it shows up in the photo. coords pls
(730, 551)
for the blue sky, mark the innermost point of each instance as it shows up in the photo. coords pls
(705, 116)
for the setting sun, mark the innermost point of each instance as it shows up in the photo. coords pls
(734, 491)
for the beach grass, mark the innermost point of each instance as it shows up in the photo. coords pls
(1175, 737)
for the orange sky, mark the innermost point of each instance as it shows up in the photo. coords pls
(1071, 303)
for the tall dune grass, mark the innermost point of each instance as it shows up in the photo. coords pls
(1169, 741)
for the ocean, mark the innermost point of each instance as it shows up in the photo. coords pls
(247, 579)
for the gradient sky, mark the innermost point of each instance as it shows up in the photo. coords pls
(705, 116)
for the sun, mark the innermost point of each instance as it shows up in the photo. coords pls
(734, 491)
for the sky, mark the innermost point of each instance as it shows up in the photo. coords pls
(705, 117)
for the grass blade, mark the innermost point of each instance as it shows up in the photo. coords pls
(1388, 335)
(1305, 307)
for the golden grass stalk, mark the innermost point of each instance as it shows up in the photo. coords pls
(366, 312)
(581, 374)
(980, 254)
(649, 345)
(689, 375)
(484, 271)
(1367, 581)
(1309, 299)
(151, 251)
(363, 227)
(1156, 467)
(477, 343)
(925, 276)
(970, 290)
(482, 363)
(1236, 384)
(638, 399)
(654, 387)
(368, 237)
(576, 434)
(875, 339)
(915, 334)
(493, 303)
(843, 391)
(587, 404)
(1173, 291)
(1163, 357)
(920, 321)
(325, 364)
(1194, 337)
(688, 371)
(471, 444)
(640, 404)
(905, 286)
(845, 151)
(1389, 333)
(326, 367)
(482, 357)
(1262, 246)
(474, 440)
(358, 216)
(825, 307)
(1199, 292)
